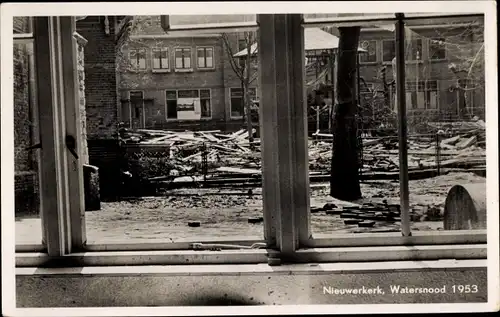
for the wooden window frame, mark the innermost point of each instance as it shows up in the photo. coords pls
(183, 69)
(376, 55)
(137, 67)
(286, 220)
(177, 96)
(161, 69)
(205, 48)
(210, 100)
(231, 104)
(430, 44)
(143, 107)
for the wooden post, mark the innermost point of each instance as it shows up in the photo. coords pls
(284, 132)
(403, 147)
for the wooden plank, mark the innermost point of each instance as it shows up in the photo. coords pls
(466, 143)
(238, 170)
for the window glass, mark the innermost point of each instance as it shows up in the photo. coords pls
(26, 136)
(438, 97)
(370, 53)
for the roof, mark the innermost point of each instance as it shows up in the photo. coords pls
(314, 39)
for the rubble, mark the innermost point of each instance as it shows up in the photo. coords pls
(217, 155)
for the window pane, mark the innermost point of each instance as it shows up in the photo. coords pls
(389, 50)
(171, 94)
(172, 109)
(187, 93)
(156, 63)
(22, 25)
(187, 62)
(178, 62)
(205, 93)
(370, 55)
(210, 62)
(201, 62)
(26, 162)
(437, 49)
(236, 107)
(205, 108)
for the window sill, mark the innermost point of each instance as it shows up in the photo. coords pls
(161, 70)
(255, 269)
(185, 70)
(256, 256)
(189, 120)
(368, 63)
(206, 69)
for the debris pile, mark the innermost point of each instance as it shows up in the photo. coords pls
(192, 155)
(367, 214)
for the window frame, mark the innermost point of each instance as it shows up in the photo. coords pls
(183, 69)
(161, 69)
(199, 96)
(231, 103)
(430, 45)
(205, 49)
(361, 62)
(60, 239)
(143, 107)
(136, 67)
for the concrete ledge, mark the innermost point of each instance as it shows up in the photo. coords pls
(221, 285)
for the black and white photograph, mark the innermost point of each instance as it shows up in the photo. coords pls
(171, 158)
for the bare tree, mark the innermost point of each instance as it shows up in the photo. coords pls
(245, 69)
(344, 181)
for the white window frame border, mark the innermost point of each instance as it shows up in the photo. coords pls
(160, 70)
(213, 58)
(467, 243)
(183, 70)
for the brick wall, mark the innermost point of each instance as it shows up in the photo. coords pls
(100, 77)
(25, 162)
(101, 100)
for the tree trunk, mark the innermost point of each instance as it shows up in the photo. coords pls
(344, 181)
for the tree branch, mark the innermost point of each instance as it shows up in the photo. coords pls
(232, 60)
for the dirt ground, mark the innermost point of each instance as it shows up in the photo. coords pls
(224, 213)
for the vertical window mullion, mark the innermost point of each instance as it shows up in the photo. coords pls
(52, 70)
(73, 128)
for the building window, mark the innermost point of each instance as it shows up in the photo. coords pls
(206, 104)
(205, 57)
(136, 102)
(160, 58)
(138, 58)
(237, 105)
(388, 50)
(413, 50)
(242, 44)
(370, 56)
(193, 104)
(183, 58)
(423, 96)
(437, 49)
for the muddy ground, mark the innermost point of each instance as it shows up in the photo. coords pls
(224, 212)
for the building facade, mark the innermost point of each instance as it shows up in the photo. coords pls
(174, 82)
